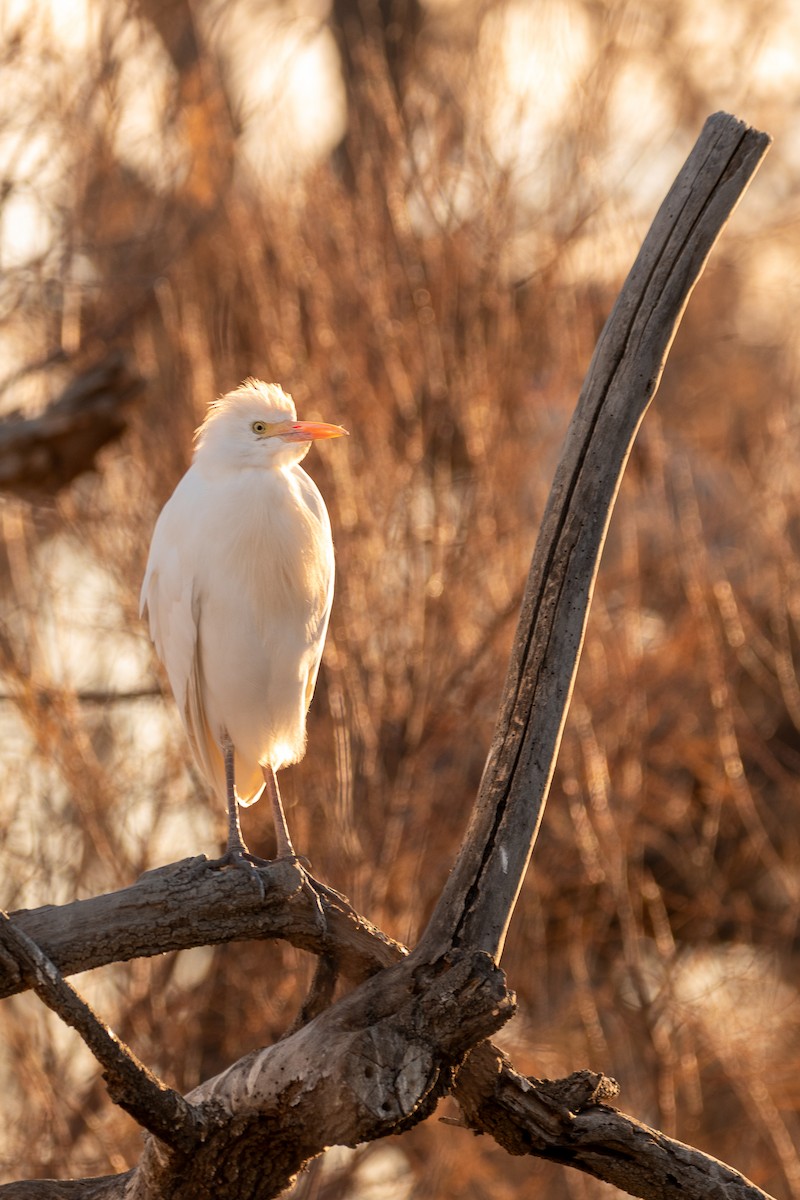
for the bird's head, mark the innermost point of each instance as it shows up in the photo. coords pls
(256, 425)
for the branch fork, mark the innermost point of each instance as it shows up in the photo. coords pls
(416, 1025)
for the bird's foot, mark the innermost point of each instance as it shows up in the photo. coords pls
(315, 892)
(322, 896)
(330, 894)
(244, 861)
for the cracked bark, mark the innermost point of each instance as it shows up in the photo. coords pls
(186, 904)
(479, 897)
(377, 1061)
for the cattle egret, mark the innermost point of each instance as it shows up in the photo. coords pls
(238, 591)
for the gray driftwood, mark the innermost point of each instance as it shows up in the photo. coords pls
(416, 1026)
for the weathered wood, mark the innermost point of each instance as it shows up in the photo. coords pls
(544, 1118)
(103, 1187)
(479, 896)
(569, 1121)
(130, 1084)
(376, 1061)
(190, 904)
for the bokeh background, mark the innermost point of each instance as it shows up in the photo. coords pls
(414, 215)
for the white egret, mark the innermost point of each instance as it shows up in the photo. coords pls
(238, 591)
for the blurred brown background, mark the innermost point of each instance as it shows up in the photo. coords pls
(414, 217)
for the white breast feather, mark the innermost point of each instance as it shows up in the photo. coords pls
(270, 576)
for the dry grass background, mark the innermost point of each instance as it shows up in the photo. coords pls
(441, 300)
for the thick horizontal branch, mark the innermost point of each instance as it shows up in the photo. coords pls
(103, 1187)
(189, 903)
(479, 897)
(549, 1119)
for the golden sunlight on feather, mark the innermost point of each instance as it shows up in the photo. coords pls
(238, 590)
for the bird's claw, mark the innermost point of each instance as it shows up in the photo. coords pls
(313, 888)
(324, 897)
(320, 894)
(245, 861)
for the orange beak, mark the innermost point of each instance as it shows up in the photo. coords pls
(310, 431)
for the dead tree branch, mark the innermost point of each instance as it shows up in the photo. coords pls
(42, 454)
(377, 1061)
(570, 1121)
(478, 899)
(189, 904)
(156, 1107)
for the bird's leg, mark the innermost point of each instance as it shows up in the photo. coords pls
(284, 846)
(319, 892)
(236, 843)
(236, 854)
(283, 840)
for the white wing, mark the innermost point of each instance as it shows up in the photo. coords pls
(196, 559)
(168, 594)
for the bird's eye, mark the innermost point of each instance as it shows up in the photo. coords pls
(259, 427)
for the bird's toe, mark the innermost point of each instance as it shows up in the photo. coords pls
(244, 861)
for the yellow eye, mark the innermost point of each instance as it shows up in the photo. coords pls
(259, 427)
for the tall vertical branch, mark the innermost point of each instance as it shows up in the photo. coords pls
(478, 899)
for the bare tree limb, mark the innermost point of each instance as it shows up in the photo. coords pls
(190, 904)
(103, 1187)
(569, 1121)
(376, 1061)
(130, 1084)
(42, 454)
(479, 896)
(564, 1121)
(554, 1120)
